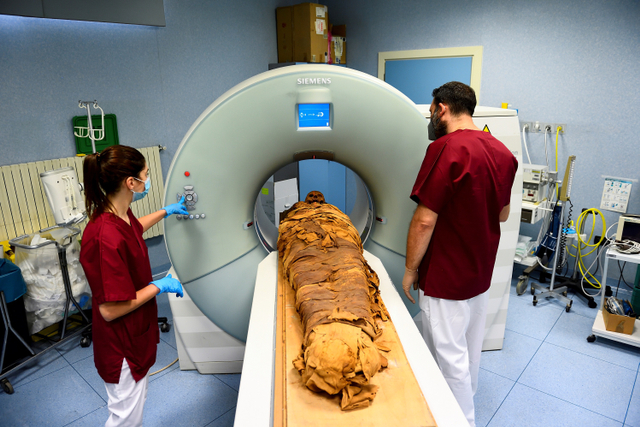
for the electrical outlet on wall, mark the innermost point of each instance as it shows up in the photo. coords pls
(553, 128)
(541, 127)
(537, 127)
(528, 125)
(562, 126)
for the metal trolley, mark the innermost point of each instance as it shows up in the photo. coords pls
(85, 325)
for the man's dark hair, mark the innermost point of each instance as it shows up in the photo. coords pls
(460, 98)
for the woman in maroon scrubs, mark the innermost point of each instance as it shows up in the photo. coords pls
(116, 261)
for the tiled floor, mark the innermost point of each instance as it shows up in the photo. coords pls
(62, 388)
(546, 375)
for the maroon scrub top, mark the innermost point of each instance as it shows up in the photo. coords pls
(466, 178)
(115, 259)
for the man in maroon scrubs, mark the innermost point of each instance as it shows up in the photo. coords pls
(463, 192)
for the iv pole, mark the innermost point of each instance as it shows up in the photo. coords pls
(561, 292)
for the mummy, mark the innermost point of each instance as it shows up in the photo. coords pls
(337, 297)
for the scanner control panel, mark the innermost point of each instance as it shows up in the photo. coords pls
(190, 200)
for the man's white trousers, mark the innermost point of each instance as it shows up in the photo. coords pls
(454, 331)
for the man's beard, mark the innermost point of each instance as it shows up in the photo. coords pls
(440, 128)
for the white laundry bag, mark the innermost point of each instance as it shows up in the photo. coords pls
(45, 298)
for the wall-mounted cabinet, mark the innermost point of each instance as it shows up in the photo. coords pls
(140, 12)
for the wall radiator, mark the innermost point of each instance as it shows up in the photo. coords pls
(24, 208)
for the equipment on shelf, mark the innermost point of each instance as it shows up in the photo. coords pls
(616, 320)
(535, 182)
(63, 194)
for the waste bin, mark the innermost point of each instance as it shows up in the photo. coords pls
(13, 288)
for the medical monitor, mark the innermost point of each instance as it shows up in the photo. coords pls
(314, 116)
(628, 228)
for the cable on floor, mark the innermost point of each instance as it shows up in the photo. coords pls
(170, 364)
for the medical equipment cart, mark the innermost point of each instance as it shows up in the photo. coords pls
(84, 329)
(599, 329)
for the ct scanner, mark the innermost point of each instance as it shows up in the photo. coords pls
(263, 124)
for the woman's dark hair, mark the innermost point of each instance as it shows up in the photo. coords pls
(104, 173)
(460, 98)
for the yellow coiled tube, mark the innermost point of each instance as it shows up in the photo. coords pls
(582, 244)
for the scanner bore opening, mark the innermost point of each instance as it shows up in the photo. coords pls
(341, 186)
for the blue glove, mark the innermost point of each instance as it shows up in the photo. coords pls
(177, 208)
(169, 284)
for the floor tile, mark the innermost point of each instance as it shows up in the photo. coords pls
(73, 352)
(170, 336)
(591, 383)
(95, 418)
(186, 398)
(492, 390)
(164, 310)
(543, 301)
(534, 322)
(633, 413)
(558, 373)
(581, 305)
(54, 400)
(526, 407)
(571, 332)
(165, 356)
(517, 351)
(225, 420)
(232, 380)
(86, 368)
(42, 365)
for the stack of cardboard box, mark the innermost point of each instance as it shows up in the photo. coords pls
(305, 35)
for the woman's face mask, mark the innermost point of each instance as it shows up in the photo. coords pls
(147, 186)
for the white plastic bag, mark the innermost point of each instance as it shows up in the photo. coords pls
(46, 297)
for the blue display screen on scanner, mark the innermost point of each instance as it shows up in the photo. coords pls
(313, 115)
